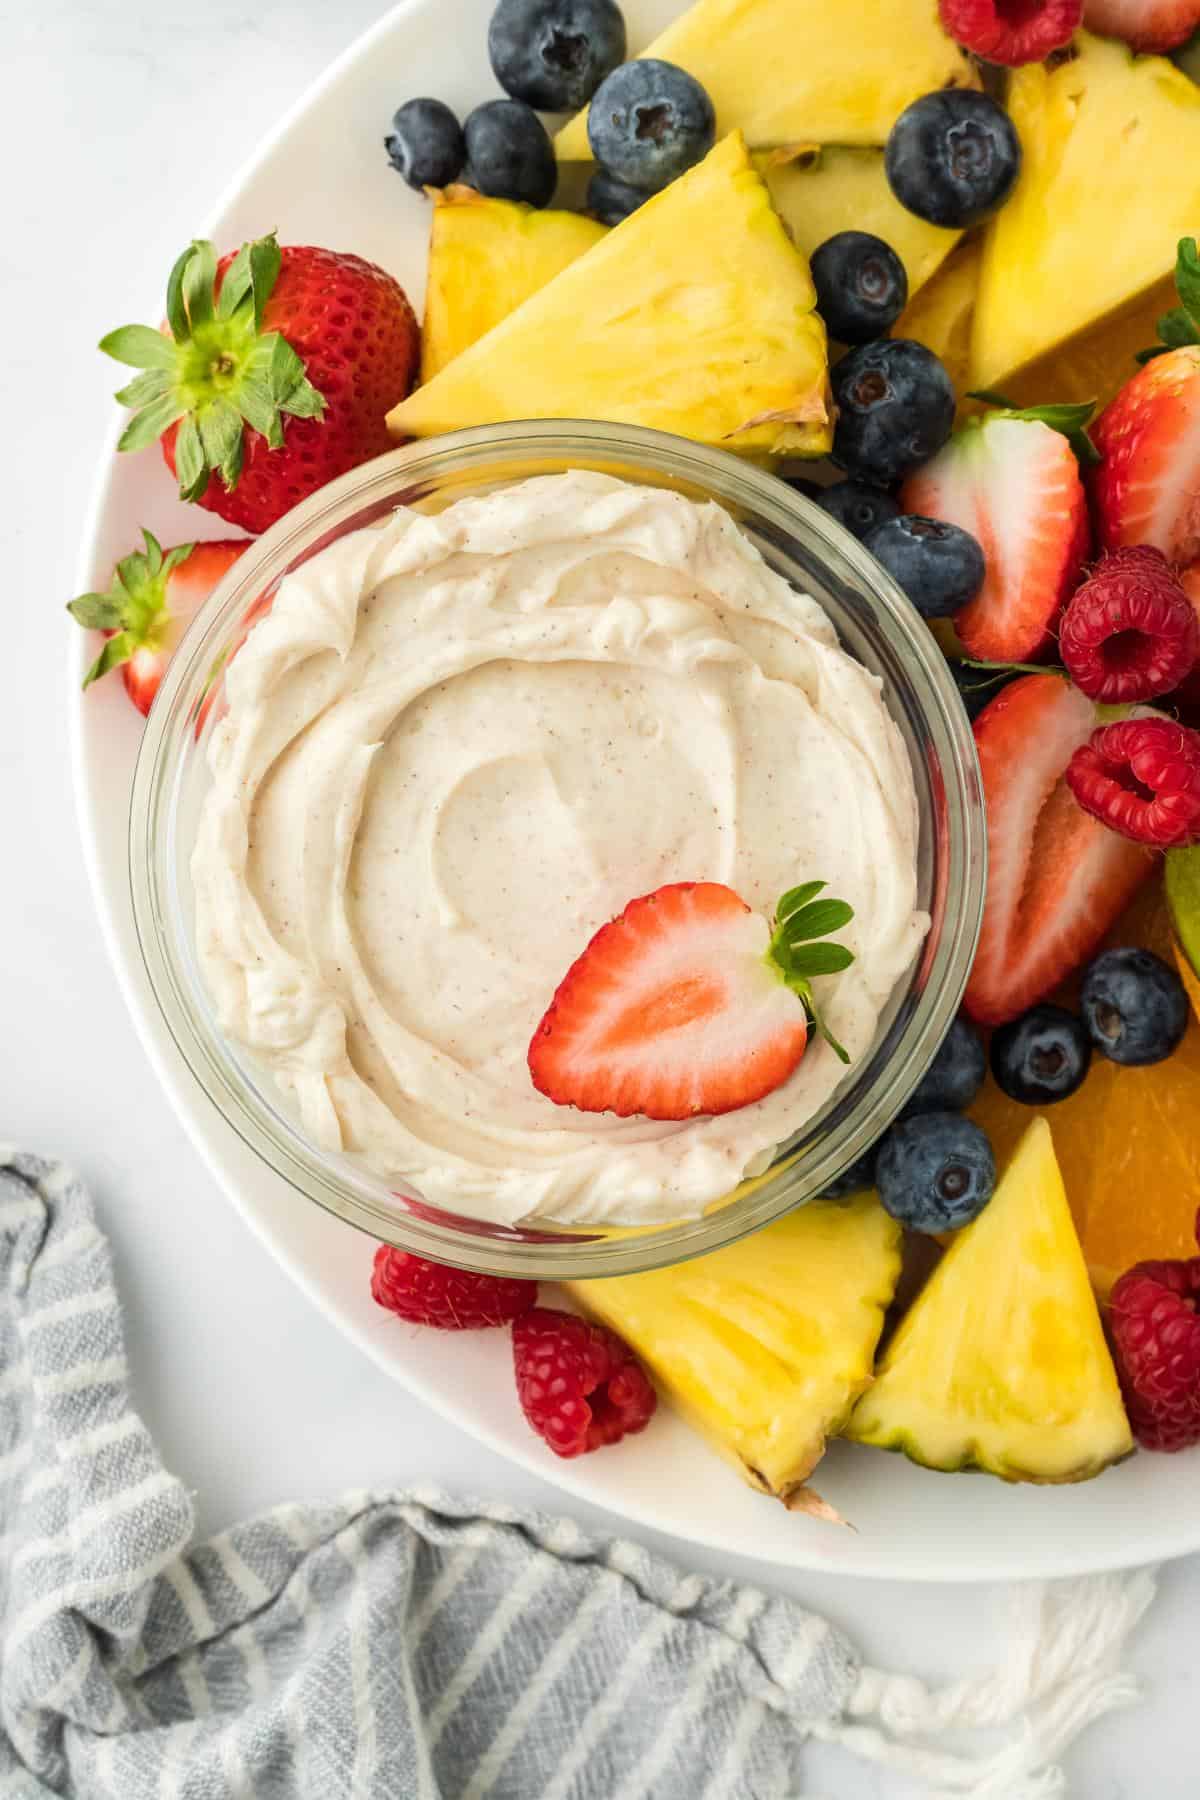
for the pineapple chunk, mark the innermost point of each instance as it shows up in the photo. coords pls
(940, 315)
(765, 1345)
(1099, 361)
(1001, 1363)
(1110, 182)
(695, 315)
(485, 258)
(801, 72)
(822, 191)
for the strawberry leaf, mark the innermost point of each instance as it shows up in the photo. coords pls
(116, 651)
(217, 371)
(191, 468)
(199, 275)
(820, 959)
(816, 920)
(799, 919)
(797, 897)
(265, 262)
(814, 1012)
(1187, 284)
(1180, 326)
(95, 612)
(140, 347)
(146, 427)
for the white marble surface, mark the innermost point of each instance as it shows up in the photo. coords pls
(121, 120)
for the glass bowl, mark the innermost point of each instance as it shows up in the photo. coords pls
(876, 625)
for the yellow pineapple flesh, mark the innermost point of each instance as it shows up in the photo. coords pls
(696, 315)
(795, 72)
(765, 1346)
(940, 315)
(818, 192)
(1110, 180)
(486, 257)
(1001, 1363)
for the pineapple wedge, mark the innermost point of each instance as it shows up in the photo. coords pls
(818, 192)
(696, 315)
(1110, 182)
(1001, 1363)
(765, 1345)
(801, 72)
(485, 258)
(940, 315)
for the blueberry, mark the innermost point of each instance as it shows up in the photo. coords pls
(1134, 1007)
(895, 406)
(649, 121)
(426, 144)
(861, 286)
(979, 687)
(510, 153)
(939, 566)
(953, 157)
(935, 1172)
(612, 200)
(857, 506)
(955, 1075)
(1041, 1057)
(852, 1180)
(553, 54)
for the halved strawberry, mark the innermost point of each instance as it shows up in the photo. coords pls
(1057, 878)
(687, 1004)
(1013, 482)
(1147, 489)
(153, 596)
(1146, 24)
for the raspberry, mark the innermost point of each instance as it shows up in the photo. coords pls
(1141, 778)
(1012, 31)
(1130, 632)
(580, 1385)
(1156, 1344)
(429, 1293)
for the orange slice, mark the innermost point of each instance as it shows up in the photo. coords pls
(1128, 1142)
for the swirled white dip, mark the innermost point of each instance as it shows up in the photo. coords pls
(456, 746)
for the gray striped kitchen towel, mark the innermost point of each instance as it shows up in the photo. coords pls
(404, 1646)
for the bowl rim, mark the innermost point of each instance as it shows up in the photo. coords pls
(337, 1184)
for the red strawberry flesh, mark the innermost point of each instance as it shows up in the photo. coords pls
(673, 1010)
(1057, 878)
(1146, 490)
(1015, 485)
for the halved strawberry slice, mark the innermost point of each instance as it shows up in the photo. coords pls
(1147, 489)
(1013, 482)
(687, 1004)
(153, 596)
(1057, 878)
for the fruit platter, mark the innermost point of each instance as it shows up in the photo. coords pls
(853, 261)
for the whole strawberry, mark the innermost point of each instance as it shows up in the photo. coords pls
(273, 374)
(1155, 1334)
(152, 597)
(429, 1293)
(580, 1385)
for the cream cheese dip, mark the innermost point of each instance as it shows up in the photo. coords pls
(459, 743)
